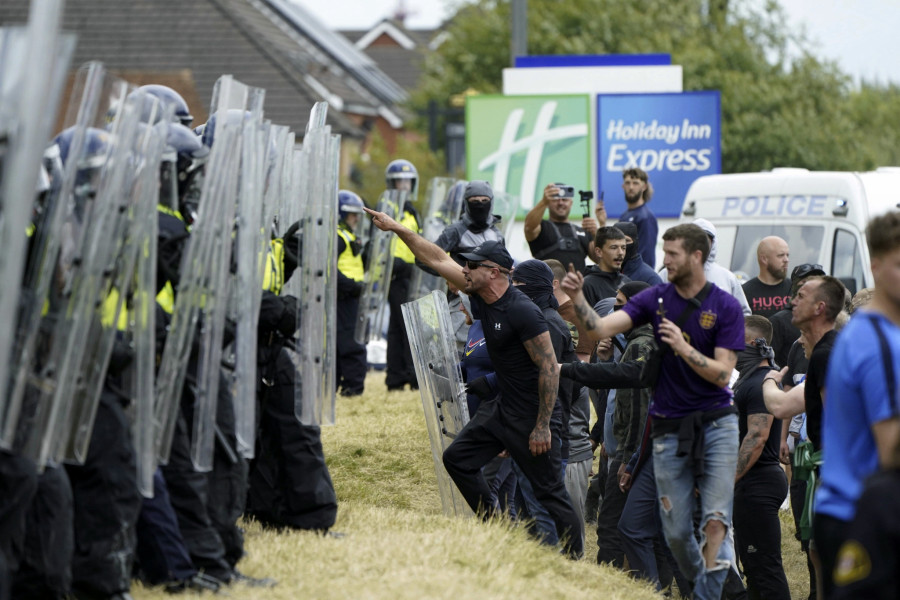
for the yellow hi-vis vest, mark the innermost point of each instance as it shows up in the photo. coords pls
(401, 250)
(349, 264)
(273, 277)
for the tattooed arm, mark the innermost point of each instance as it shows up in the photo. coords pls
(542, 355)
(715, 370)
(595, 327)
(758, 427)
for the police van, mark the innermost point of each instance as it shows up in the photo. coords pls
(821, 214)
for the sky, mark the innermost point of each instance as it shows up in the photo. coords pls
(861, 35)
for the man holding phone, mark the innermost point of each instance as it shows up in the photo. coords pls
(555, 237)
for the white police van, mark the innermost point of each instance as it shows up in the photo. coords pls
(821, 214)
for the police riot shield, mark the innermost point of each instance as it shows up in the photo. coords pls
(237, 108)
(33, 63)
(314, 391)
(434, 220)
(246, 294)
(505, 206)
(440, 385)
(201, 292)
(107, 270)
(138, 377)
(91, 166)
(373, 302)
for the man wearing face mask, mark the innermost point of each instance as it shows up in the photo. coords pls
(476, 226)
(634, 266)
(760, 482)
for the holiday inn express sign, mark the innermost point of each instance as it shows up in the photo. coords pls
(521, 143)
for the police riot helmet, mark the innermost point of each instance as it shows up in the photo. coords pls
(90, 160)
(349, 203)
(170, 97)
(189, 156)
(232, 116)
(401, 169)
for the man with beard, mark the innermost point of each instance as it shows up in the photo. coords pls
(693, 422)
(518, 342)
(634, 266)
(638, 192)
(771, 290)
(760, 482)
(604, 279)
(557, 238)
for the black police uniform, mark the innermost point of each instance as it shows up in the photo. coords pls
(400, 367)
(351, 363)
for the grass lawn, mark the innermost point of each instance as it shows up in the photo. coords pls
(396, 541)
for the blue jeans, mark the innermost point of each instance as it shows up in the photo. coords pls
(675, 483)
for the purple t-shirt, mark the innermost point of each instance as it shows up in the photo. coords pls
(717, 323)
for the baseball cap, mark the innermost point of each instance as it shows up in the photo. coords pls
(806, 270)
(491, 250)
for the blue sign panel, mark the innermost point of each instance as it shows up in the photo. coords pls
(592, 60)
(675, 138)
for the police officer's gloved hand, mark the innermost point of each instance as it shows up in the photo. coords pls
(287, 324)
(481, 388)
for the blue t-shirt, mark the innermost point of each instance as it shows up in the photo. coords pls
(717, 323)
(856, 398)
(508, 323)
(648, 231)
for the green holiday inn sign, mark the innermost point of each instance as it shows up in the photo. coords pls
(522, 143)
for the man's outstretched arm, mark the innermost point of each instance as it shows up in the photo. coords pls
(594, 326)
(430, 254)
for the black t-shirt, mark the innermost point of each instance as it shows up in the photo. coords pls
(564, 242)
(766, 300)
(508, 323)
(815, 380)
(749, 401)
(783, 335)
(797, 364)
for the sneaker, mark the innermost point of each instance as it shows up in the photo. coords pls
(257, 582)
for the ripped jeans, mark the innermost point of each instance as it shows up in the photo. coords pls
(675, 483)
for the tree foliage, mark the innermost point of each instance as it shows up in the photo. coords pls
(781, 105)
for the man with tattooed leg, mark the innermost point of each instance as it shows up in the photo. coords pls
(518, 342)
(699, 329)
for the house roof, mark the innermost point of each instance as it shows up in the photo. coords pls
(198, 41)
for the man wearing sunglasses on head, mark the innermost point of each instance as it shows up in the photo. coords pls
(518, 343)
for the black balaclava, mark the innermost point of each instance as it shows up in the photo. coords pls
(751, 356)
(629, 229)
(479, 212)
(536, 280)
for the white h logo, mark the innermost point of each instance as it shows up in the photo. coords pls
(533, 143)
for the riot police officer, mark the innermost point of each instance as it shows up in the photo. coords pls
(350, 376)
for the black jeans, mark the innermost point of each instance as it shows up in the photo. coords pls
(485, 436)
(400, 367)
(828, 535)
(609, 545)
(757, 530)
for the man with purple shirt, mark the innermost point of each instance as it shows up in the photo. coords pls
(694, 426)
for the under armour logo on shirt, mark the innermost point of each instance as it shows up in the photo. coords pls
(497, 326)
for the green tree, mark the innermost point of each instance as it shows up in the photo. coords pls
(781, 106)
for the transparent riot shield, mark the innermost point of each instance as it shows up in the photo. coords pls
(373, 302)
(250, 226)
(440, 385)
(314, 391)
(138, 378)
(106, 273)
(237, 109)
(505, 206)
(33, 62)
(201, 294)
(83, 213)
(434, 220)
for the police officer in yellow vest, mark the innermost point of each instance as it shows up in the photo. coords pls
(351, 355)
(401, 175)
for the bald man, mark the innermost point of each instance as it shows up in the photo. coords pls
(770, 292)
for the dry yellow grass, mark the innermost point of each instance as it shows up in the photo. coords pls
(397, 543)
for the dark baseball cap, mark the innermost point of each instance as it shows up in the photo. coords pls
(806, 270)
(491, 250)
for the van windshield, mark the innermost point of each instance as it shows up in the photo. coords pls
(804, 241)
